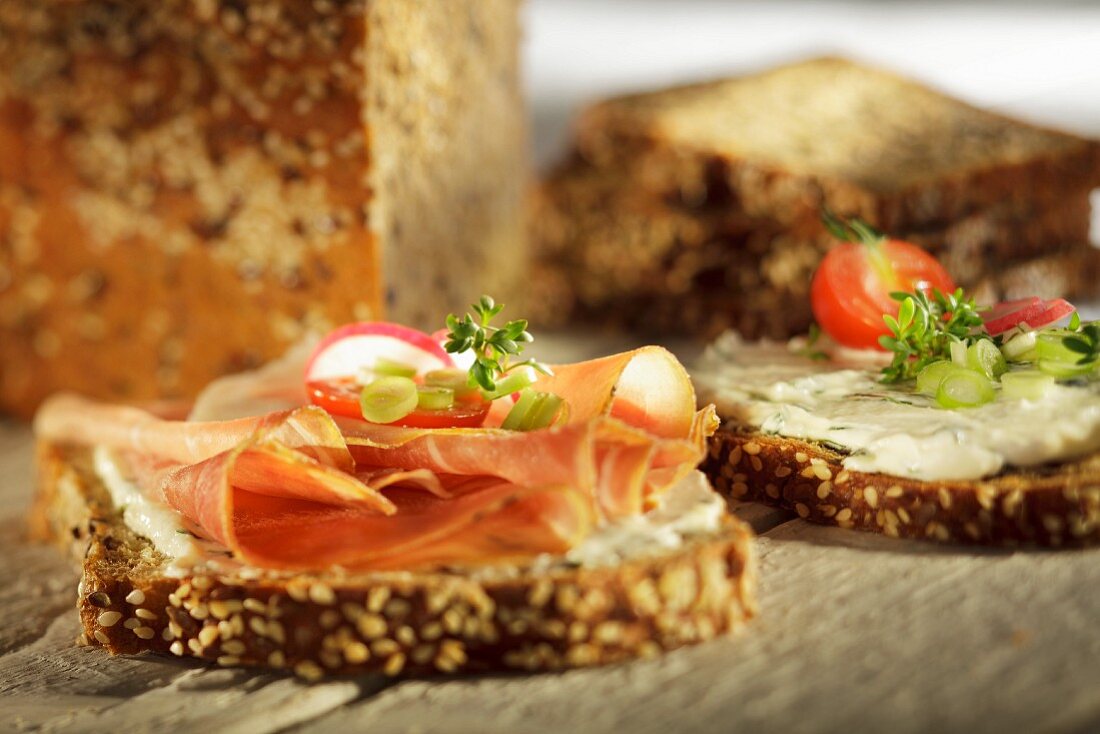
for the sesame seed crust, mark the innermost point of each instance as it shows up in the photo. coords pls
(1056, 506)
(396, 623)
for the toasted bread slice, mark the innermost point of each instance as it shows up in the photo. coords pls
(545, 616)
(1054, 506)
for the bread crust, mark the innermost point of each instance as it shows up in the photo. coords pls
(395, 623)
(1055, 507)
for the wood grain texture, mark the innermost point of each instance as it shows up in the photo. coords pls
(856, 632)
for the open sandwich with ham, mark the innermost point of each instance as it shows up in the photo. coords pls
(392, 501)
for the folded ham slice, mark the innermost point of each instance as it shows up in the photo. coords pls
(297, 489)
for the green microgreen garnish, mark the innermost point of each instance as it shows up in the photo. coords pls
(1086, 341)
(1075, 321)
(925, 328)
(493, 347)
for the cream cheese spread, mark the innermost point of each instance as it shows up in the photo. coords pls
(776, 389)
(159, 523)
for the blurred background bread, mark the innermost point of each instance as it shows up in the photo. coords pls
(694, 209)
(188, 185)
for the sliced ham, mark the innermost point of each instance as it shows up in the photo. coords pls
(295, 488)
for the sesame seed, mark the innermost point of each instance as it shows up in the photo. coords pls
(757, 464)
(137, 596)
(372, 626)
(384, 647)
(108, 619)
(131, 623)
(308, 670)
(208, 635)
(421, 654)
(405, 636)
(234, 647)
(356, 652)
(176, 630)
(145, 633)
(276, 659)
(431, 631)
(100, 637)
(321, 594)
(801, 457)
(166, 635)
(145, 614)
(225, 629)
(258, 626)
(397, 608)
(735, 456)
(394, 664)
(254, 605)
(329, 619)
(772, 491)
(297, 592)
(199, 612)
(228, 661)
(377, 598)
(824, 489)
(782, 471)
(201, 582)
(752, 448)
(822, 472)
(275, 631)
(871, 495)
(894, 491)
(843, 477)
(176, 648)
(809, 472)
(739, 489)
(194, 646)
(802, 510)
(608, 633)
(844, 515)
(903, 515)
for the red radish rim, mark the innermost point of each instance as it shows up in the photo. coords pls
(1035, 313)
(414, 338)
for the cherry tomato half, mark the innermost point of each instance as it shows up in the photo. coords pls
(340, 396)
(851, 288)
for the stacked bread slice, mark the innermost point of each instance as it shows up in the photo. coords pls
(698, 208)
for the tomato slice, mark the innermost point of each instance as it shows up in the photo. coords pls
(851, 289)
(340, 396)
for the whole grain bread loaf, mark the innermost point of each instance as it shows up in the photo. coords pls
(187, 186)
(395, 623)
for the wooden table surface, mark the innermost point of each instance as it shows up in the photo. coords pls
(855, 632)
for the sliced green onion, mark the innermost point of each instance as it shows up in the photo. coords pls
(512, 382)
(929, 378)
(958, 353)
(392, 368)
(1026, 384)
(544, 413)
(430, 397)
(535, 410)
(1056, 359)
(984, 356)
(527, 400)
(388, 399)
(1020, 347)
(1063, 370)
(458, 381)
(965, 389)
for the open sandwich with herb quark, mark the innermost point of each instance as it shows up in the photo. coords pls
(912, 411)
(392, 501)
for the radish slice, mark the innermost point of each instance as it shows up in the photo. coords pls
(1033, 313)
(350, 348)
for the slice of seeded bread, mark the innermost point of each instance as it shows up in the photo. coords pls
(1053, 506)
(396, 623)
(830, 131)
